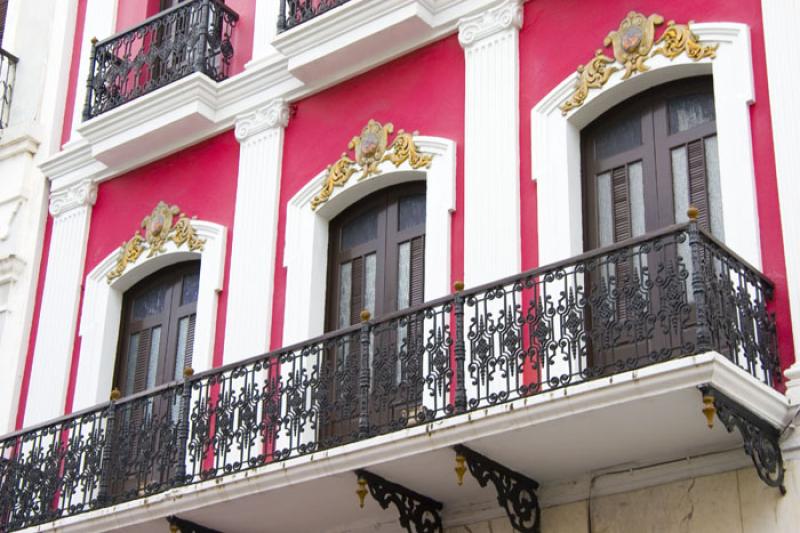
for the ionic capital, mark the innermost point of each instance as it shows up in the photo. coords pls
(273, 115)
(494, 20)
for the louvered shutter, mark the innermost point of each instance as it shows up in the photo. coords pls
(698, 187)
(622, 205)
(142, 362)
(187, 361)
(417, 285)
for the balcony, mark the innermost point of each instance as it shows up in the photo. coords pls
(193, 36)
(296, 12)
(8, 70)
(615, 315)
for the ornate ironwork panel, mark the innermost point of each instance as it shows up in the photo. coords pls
(418, 513)
(669, 294)
(516, 493)
(411, 371)
(8, 71)
(194, 36)
(294, 12)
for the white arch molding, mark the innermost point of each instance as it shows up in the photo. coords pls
(555, 143)
(305, 254)
(102, 309)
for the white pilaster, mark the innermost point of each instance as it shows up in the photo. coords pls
(491, 159)
(71, 209)
(783, 74)
(249, 316)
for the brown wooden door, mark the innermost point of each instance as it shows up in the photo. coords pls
(376, 256)
(644, 163)
(157, 333)
(647, 160)
(376, 262)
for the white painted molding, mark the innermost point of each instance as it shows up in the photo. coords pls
(305, 254)
(100, 22)
(248, 324)
(52, 358)
(102, 308)
(273, 115)
(491, 143)
(476, 28)
(780, 31)
(11, 268)
(81, 194)
(556, 142)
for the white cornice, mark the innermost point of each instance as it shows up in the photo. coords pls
(492, 21)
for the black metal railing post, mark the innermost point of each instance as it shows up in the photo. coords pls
(282, 16)
(106, 464)
(364, 376)
(200, 61)
(703, 342)
(87, 107)
(460, 350)
(183, 426)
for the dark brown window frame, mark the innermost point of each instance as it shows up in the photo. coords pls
(174, 311)
(654, 152)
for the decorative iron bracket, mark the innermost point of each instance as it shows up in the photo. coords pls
(516, 493)
(185, 526)
(761, 440)
(418, 513)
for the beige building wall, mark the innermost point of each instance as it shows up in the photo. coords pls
(732, 502)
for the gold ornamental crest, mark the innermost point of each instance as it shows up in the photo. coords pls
(165, 223)
(633, 43)
(371, 148)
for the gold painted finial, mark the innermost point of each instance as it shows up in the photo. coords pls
(461, 468)
(173, 528)
(692, 213)
(94, 41)
(116, 394)
(188, 372)
(458, 286)
(709, 409)
(365, 315)
(361, 492)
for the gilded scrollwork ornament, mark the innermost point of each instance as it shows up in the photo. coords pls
(166, 223)
(633, 43)
(592, 76)
(371, 148)
(679, 38)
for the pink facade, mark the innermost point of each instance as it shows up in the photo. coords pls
(196, 157)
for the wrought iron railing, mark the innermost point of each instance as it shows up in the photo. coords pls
(295, 12)
(193, 36)
(669, 294)
(8, 71)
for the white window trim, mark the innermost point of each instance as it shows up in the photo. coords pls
(305, 254)
(556, 154)
(102, 308)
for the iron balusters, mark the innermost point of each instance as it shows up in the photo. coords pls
(295, 12)
(194, 36)
(665, 295)
(8, 71)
